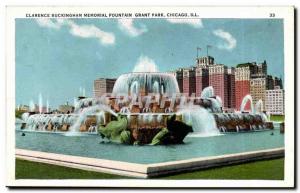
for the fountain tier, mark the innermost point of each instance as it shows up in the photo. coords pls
(145, 83)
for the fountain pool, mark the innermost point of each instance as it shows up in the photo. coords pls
(96, 135)
(93, 146)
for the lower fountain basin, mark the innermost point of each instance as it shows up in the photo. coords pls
(93, 146)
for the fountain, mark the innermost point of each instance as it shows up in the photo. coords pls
(244, 102)
(47, 106)
(207, 92)
(148, 115)
(203, 125)
(219, 101)
(145, 83)
(40, 103)
(259, 106)
(144, 107)
(31, 106)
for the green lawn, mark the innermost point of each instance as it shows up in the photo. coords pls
(269, 170)
(278, 118)
(34, 170)
(266, 170)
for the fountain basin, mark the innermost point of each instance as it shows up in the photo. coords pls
(140, 122)
(93, 146)
(236, 122)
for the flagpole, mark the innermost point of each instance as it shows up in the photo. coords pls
(198, 52)
(207, 50)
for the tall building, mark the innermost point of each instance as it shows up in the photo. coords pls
(218, 79)
(252, 78)
(103, 85)
(204, 61)
(275, 101)
(229, 83)
(202, 73)
(258, 87)
(261, 69)
(243, 74)
(270, 82)
(231, 87)
(179, 78)
(189, 81)
(207, 73)
(277, 82)
(202, 79)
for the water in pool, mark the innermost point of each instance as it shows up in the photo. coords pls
(194, 147)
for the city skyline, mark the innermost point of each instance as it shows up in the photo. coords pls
(76, 52)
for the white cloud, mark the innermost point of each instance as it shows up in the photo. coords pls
(196, 23)
(91, 31)
(83, 31)
(230, 41)
(145, 64)
(127, 25)
(45, 22)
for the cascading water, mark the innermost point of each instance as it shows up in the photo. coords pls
(268, 116)
(219, 101)
(153, 82)
(204, 117)
(201, 120)
(40, 121)
(134, 88)
(31, 106)
(264, 117)
(207, 92)
(146, 77)
(145, 64)
(259, 106)
(155, 87)
(47, 106)
(75, 103)
(83, 92)
(86, 102)
(40, 103)
(244, 102)
(89, 111)
(125, 110)
(215, 105)
(25, 117)
(162, 89)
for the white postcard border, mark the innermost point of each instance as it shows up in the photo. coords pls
(286, 13)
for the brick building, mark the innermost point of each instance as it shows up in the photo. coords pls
(207, 73)
(242, 83)
(229, 83)
(189, 81)
(205, 61)
(231, 87)
(202, 79)
(179, 78)
(102, 86)
(252, 78)
(218, 79)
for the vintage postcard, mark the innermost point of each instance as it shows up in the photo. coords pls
(150, 96)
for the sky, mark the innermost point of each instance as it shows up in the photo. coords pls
(58, 58)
